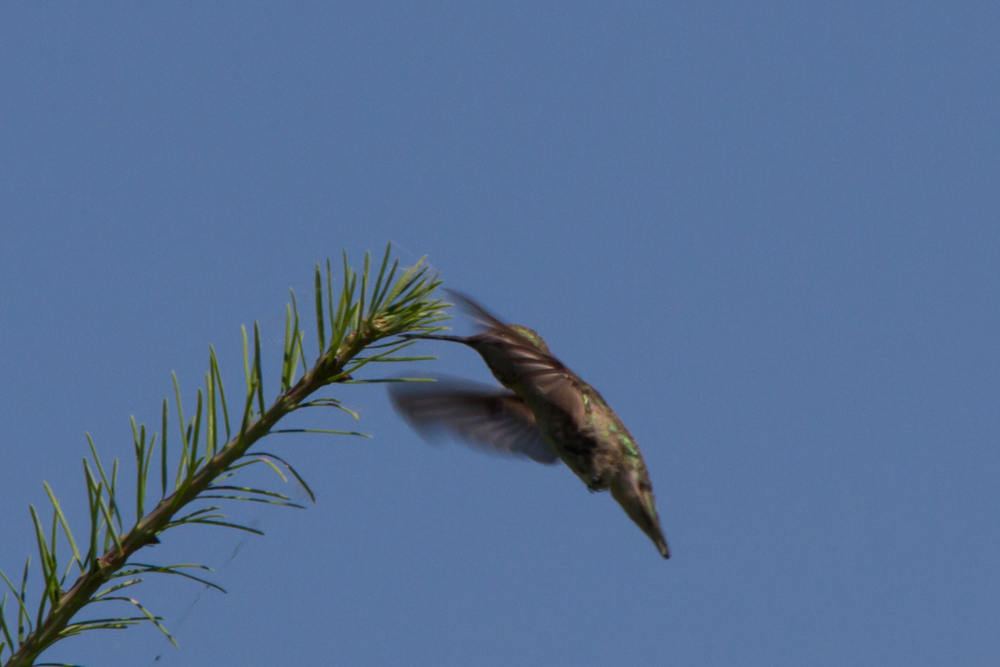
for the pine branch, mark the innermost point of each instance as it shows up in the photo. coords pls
(390, 309)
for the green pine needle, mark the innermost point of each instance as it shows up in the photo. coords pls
(360, 322)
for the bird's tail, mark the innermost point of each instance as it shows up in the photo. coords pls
(636, 498)
(661, 544)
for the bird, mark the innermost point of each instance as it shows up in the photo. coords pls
(545, 413)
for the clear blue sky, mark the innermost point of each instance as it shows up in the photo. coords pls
(767, 232)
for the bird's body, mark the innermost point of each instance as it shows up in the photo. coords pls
(549, 414)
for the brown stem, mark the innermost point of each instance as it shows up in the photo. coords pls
(144, 532)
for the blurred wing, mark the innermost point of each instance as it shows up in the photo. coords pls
(557, 383)
(481, 316)
(477, 414)
(525, 353)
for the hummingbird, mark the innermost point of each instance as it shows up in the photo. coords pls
(545, 413)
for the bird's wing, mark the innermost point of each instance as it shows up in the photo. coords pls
(481, 316)
(499, 331)
(517, 346)
(557, 383)
(480, 415)
(554, 381)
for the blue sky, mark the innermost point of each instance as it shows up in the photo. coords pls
(766, 232)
